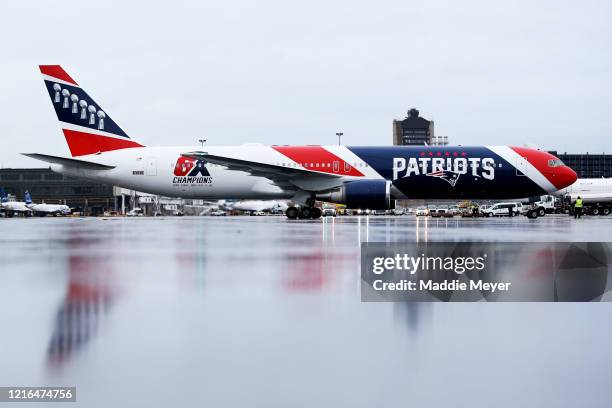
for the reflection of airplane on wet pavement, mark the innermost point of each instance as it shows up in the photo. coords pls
(88, 297)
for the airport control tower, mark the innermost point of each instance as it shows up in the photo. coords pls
(413, 130)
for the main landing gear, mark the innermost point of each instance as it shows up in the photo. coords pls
(306, 211)
(303, 213)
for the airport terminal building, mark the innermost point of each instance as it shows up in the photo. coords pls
(52, 188)
(82, 196)
(587, 165)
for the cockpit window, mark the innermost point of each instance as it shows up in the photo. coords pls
(555, 163)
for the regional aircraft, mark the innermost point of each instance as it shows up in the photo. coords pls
(253, 206)
(360, 177)
(12, 207)
(44, 209)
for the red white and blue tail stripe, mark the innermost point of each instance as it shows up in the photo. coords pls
(88, 128)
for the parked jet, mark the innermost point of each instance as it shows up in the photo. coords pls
(11, 208)
(360, 177)
(275, 206)
(591, 190)
(596, 194)
(44, 209)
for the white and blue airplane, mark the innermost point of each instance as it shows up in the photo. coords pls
(11, 208)
(258, 206)
(44, 209)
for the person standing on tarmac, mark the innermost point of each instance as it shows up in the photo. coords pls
(578, 207)
(474, 210)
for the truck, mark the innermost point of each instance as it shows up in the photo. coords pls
(539, 206)
(596, 195)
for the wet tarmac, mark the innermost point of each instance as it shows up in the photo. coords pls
(261, 311)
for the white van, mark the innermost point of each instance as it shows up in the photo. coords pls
(503, 209)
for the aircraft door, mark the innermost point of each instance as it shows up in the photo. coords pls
(151, 166)
(336, 166)
(521, 166)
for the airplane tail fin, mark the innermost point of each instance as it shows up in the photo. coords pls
(28, 198)
(3, 195)
(88, 129)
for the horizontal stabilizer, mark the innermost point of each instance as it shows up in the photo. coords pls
(81, 164)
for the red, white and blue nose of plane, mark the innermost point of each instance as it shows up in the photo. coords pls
(555, 172)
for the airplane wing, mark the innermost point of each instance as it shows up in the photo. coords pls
(69, 162)
(284, 177)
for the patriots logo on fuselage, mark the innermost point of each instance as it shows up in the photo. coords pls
(199, 169)
(186, 167)
(450, 176)
(189, 171)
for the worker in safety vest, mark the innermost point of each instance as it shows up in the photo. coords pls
(578, 207)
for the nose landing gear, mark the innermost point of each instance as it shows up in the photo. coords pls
(303, 213)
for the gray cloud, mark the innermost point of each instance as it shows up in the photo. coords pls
(280, 72)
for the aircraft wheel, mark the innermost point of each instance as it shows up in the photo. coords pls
(541, 212)
(305, 213)
(605, 211)
(316, 213)
(595, 211)
(292, 213)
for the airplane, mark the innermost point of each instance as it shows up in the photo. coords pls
(596, 194)
(44, 209)
(275, 206)
(359, 177)
(591, 190)
(12, 207)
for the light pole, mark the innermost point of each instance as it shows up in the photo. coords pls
(339, 134)
(202, 141)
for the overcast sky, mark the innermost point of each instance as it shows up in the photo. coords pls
(296, 72)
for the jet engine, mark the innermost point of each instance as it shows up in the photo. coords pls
(362, 194)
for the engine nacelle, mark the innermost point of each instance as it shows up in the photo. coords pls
(362, 195)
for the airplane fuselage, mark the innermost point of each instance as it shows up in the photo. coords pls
(449, 172)
(15, 206)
